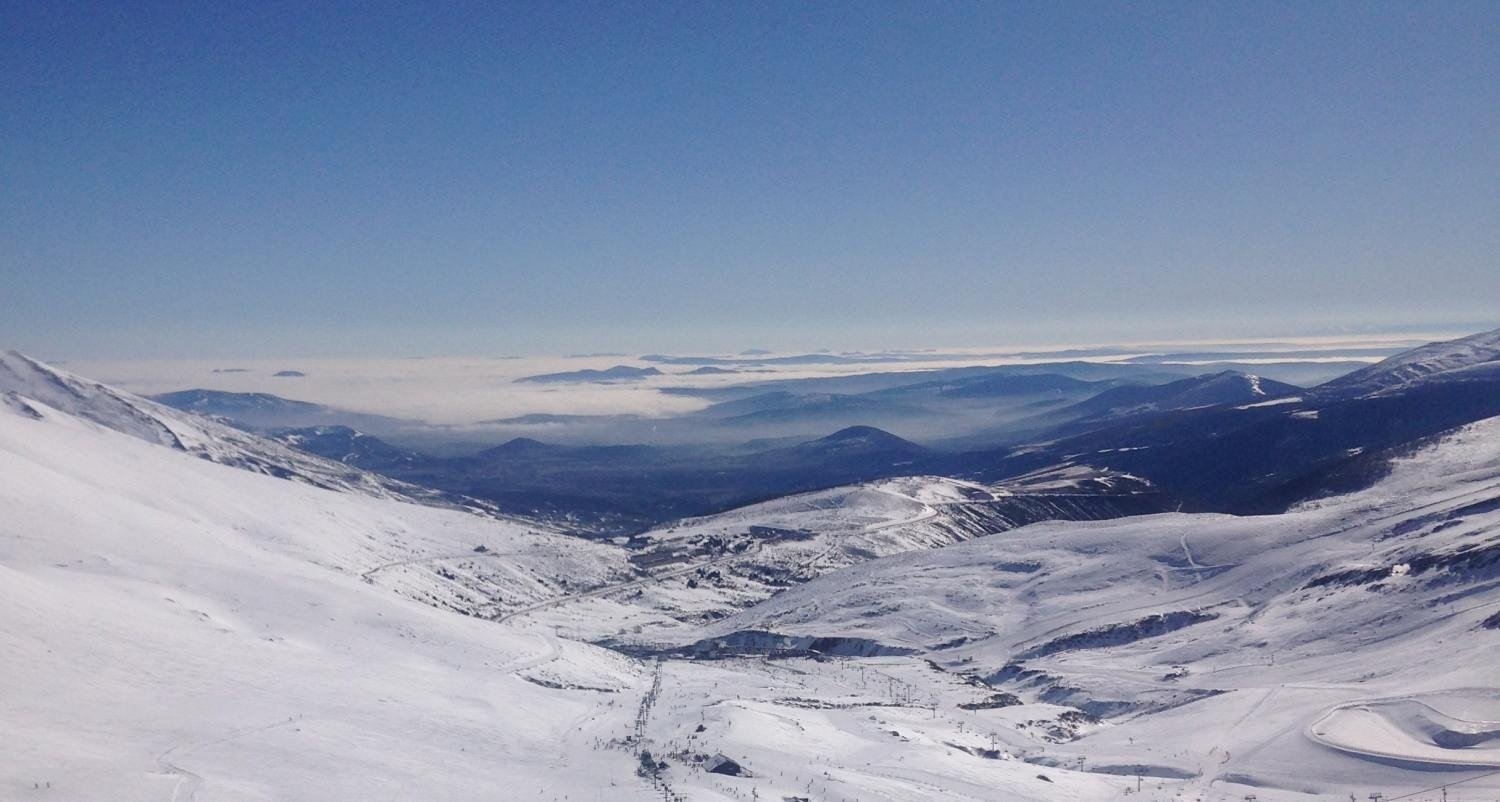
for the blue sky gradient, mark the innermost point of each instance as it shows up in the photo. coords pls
(380, 178)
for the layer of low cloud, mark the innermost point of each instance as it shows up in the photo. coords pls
(465, 391)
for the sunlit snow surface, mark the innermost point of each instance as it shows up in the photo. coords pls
(172, 628)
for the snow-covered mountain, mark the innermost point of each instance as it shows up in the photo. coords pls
(23, 378)
(175, 629)
(1348, 645)
(178, 629)
(181, 629)
(704, 568)
(1472, 358)
(1263, 454)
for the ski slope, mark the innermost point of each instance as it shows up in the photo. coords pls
(173, 628)
(1349, 644)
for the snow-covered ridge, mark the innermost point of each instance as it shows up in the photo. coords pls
(1258, 634)
(25, 378)
(1472, 358)
(172, 628)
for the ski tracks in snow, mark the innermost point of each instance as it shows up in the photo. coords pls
(189, 782)
(551, 650)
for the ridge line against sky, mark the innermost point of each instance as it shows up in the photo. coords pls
(549, 178)
(1330, 338)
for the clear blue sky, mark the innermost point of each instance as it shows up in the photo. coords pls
(308, 178)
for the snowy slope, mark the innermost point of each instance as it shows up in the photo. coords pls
(174, 629)
(1472, 358)
(701, 569)
(147, 420)
(1289, 657)
(1344, 646)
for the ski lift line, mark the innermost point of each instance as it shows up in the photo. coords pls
(1444, 785)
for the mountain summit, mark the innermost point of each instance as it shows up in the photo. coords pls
(1212, 389)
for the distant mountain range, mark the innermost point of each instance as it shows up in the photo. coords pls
(614, 374)
(623, 489)
(1284, 447)
(1218, 389)
(1225, 441)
